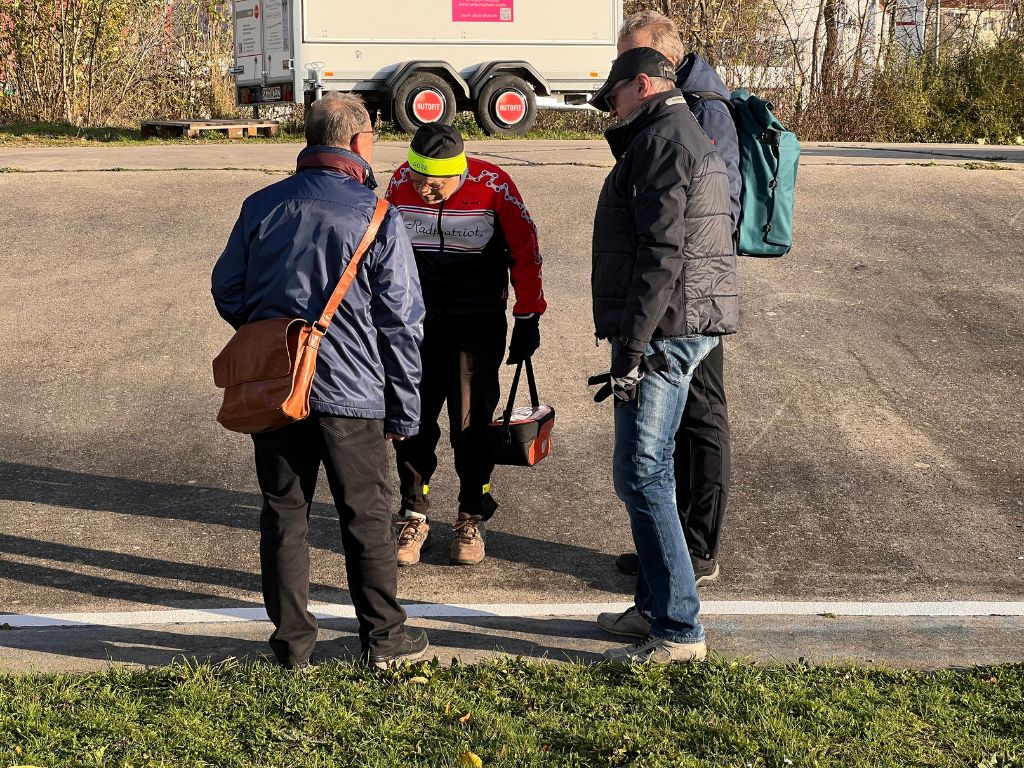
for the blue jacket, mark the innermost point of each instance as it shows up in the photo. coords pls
(696, 75)
(286, 254)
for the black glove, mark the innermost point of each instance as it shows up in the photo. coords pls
(625, 362)
(624, 386)
(525, 339)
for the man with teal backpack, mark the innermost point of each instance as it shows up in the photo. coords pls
(762, 214)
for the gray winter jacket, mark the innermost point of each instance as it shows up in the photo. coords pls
(663, 263)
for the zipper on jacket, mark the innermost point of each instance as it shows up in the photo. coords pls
(440, 254)
(440, 229)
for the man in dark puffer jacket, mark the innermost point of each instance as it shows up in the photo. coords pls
(704, 441)
(664, 288)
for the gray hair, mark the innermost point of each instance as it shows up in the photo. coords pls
(664, 35)
(334, 119)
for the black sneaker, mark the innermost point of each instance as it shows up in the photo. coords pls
(411, 646)
(295, 666)
(704, 570)
(628, 563)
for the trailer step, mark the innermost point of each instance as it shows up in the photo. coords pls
(233, 129)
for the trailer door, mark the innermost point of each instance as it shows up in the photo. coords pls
(248, 42)
(276, 18)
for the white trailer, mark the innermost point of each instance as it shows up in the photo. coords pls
(421, 61)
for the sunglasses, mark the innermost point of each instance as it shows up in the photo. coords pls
(614, 92)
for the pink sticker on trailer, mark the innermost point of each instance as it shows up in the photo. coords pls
(482, 10)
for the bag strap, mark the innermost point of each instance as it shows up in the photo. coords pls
(506, 418)
(534, 398)
(698, 96)
(353, 266)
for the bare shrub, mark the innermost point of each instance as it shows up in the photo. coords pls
(114, 62)
(849, 70)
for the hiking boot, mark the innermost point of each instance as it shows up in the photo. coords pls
(629, 623)
(412, 539)
(468, 545)
(411, 646)
(657, 650)
(705, 571)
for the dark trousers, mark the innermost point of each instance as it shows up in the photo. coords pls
(355, 456)
(461, 357)
(702, 457)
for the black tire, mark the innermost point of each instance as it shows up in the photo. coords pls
(486, 109)
(402, 110)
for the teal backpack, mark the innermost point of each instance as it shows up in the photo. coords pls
(769, 155)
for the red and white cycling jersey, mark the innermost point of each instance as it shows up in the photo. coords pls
(468, 246)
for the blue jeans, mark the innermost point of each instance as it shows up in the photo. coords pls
(643, 470)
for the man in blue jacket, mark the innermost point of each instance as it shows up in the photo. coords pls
(285, 255)
(703, 444)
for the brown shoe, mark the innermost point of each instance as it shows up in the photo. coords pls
(468, 546)
(412, 539)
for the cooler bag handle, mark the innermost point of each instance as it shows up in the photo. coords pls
(534, 397)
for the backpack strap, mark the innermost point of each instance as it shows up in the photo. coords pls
(695, 97)
(353, 265)
(768, 136)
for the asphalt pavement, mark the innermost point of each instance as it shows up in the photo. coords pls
(874, 392)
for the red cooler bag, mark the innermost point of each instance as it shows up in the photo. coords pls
(522, 436)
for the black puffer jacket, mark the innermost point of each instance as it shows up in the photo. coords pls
(663, 261)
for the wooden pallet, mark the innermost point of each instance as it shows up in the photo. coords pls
(233, 129)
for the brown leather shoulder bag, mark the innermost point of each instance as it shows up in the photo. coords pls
(266, 370)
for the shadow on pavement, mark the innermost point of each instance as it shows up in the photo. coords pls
(99, 645)
(113, 589)
(216, 506)
(121, 645)
(131, 566)
(85, 491)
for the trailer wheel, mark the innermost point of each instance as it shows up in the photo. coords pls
(422, 99)
(506, 106)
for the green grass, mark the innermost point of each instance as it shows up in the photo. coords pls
(549, 126)
(515, 713)
(55, 134)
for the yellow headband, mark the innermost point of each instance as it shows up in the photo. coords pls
(432, 166)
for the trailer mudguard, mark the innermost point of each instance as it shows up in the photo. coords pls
(524, 69)
(442, 69)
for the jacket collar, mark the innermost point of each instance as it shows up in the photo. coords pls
(336, 159)
(621, 135)
(696, 75)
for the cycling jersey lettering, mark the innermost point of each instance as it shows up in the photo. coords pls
(420, 228)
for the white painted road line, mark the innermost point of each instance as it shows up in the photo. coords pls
(512, 610)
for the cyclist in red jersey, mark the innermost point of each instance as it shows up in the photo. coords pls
(471, 232)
